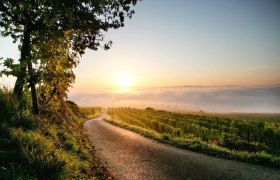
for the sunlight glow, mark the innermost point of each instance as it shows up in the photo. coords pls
(124, 81)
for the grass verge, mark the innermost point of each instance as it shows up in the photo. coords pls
(49, 146)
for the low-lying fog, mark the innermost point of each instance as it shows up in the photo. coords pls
(210, 99)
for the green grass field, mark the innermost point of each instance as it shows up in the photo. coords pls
(47, 146)
(252, 138)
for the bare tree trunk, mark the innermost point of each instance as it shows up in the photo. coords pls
(33, 88)
(25, 52)
(25, 61)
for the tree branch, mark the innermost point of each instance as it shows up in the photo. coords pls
(52, 94)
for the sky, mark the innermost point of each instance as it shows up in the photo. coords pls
(207, 43)
(180, 43)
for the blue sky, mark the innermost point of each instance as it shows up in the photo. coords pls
(198, 42)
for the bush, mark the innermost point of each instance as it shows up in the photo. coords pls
(165, 137)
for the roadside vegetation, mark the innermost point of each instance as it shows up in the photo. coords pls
(91, 112)
(41, 136)
(249, 140)
(46, 146)
(41, 132)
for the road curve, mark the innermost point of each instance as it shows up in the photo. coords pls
(128, 155)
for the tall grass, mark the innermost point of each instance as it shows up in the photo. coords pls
(49, 146)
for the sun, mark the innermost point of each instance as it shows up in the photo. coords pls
(124, 81)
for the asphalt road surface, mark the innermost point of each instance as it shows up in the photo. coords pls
(128, 155)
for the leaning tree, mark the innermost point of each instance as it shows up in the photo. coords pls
(77, 25)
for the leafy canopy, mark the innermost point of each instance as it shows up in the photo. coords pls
(53, 35)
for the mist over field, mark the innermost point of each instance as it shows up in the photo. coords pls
(210, 99)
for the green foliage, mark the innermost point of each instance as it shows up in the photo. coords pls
(90, 112)
(52, 36)
(11, 68)
(75, 108)
(246, 140)
(37, 147)
(165, 137)
(15, 113)
(84, 19)
(38, 152)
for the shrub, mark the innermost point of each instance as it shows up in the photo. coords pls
(165, 137)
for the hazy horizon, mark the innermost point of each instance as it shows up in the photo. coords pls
(208, 99)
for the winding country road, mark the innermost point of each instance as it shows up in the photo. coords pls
(128, 155)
